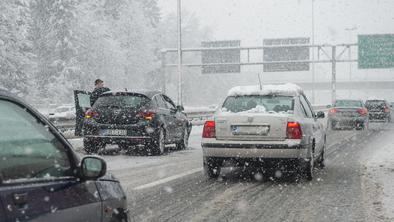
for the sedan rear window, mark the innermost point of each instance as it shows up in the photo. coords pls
(122, 101)
(348, 103)
(259, 103)
(375, 103)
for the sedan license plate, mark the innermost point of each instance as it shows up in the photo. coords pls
(113, 132)
(250, 130)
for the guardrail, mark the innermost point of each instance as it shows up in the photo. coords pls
(196, 116)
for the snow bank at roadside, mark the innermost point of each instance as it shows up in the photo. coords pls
(380, 173)
(288, 89)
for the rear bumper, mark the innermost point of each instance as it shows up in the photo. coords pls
(379, 115)
(135, 140)
(288, 149)
(348, 121)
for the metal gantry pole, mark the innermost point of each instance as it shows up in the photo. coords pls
(334, 74)
(312, 49)
(163, 72)
(179, 53)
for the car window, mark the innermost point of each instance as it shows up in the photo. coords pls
(348, 103)
(129, 101)
(306, 107)
(266, 103)
(28, 150)
(160, 102)
(375, 103)
(169, 102)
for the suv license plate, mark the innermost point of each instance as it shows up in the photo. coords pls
(113, 132)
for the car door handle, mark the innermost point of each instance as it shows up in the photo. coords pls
(20, 199)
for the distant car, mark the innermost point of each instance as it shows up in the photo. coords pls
(43, 179)
(347, 113)
(269, 127)
(135, 120)
(62, 113)
(378, 110)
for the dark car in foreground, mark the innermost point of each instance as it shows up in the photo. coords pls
(378, 110)
(347, 113)
(43, 179)
(144, 121)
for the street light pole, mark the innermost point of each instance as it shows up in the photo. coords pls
(313, 52)
(179, 53)
(350, 30)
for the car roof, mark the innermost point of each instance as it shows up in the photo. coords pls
(358, 100)
(288, 89)
(147, 93)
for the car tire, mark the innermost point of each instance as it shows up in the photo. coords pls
(92, 147)
(321, 161)
(157, 146)
(331, 125)
(308, 168)
(184, 142)
(212, 168)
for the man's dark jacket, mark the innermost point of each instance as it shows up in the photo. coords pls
(97, 93)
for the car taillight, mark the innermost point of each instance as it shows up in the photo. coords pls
(362, 112)
(294, 130)
(209, 130)
(333, 111)
(147, 115)
(386, 109)
(91, 114)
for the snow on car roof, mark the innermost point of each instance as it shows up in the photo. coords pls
(288, 89)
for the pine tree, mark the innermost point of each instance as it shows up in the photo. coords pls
(15, 56)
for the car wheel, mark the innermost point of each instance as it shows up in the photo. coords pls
(92, 147)
(212, 168)
(331, 125)
(157, 146)
(184, 142)
(321, 162)
(308, 168)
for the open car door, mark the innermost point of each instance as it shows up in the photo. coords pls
(82, 104)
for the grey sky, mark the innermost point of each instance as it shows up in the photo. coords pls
(253, 20)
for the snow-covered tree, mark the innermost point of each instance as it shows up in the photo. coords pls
(15, 56)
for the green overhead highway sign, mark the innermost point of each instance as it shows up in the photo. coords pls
(376, 51)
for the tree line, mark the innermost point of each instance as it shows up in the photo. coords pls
(49, 48)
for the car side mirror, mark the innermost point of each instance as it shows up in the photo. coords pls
(320, 115)
(93, 168)
(180, 108)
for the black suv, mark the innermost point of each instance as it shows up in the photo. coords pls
(378, 109)
(135, 120)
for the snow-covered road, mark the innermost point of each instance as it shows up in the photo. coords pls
(353, 186)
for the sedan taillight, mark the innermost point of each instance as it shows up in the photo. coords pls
(294, 130)
(333, 111)
(209, 130)
(362, 111)
(91, 114)
(146, 115)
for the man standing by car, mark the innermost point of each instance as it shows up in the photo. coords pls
(98, 90)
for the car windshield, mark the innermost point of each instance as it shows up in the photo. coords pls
(121, 101)
(348, 103)
(262, 104)
(375, 103)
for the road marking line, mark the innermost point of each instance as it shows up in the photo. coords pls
(168, 179)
